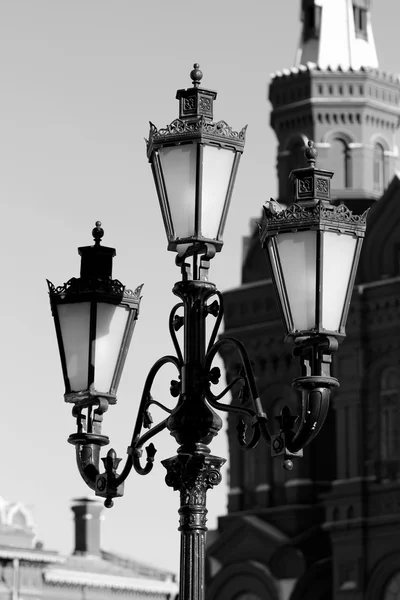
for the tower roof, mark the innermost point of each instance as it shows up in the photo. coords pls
(337, 33)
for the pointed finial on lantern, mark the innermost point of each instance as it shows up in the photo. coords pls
(97, 232)
(311, 153)
(196, 75)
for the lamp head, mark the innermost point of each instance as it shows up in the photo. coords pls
(94, 317)
(194, 162)
(313, 249)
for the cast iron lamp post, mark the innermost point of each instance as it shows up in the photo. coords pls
(194, 162)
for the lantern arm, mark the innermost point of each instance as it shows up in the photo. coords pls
(88, 440)
(216, 308)
(315, 386)
(242, 428)
(175, 323)
(315, 401)
(87, 460)
(248, 392)
(145, 420)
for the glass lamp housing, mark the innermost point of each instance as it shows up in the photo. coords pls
(194, 163)
(94, 317)
(313, 249)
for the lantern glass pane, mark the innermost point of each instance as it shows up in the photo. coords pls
(75, 331)
(297, 254)
(178, 164)
(338, 251)
(110, 328)
(217, 170)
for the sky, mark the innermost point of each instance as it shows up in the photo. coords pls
(80, 80)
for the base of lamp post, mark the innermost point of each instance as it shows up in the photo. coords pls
(192, 472)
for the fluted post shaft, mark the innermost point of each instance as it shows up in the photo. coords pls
(193, 474)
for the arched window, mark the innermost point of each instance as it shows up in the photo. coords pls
(311, 17)
(390, 423)
(360, 21)
(379, 167)
(392, 588)
(390, 415)
(340, 160)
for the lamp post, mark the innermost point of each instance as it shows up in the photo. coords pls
(194, 162)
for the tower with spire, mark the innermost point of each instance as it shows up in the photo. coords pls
(336, 95)
(337, 35)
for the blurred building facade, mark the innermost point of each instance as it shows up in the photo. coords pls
(29, 571)
(329, 529)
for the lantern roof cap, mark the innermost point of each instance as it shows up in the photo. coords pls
(310, 184)
(196, 102)
(298, 217)
(96, 260)
(96, 277)
(311, 206)
(195, 124)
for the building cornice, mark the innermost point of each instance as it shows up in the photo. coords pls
(337, 101)
(99, 580)
(30, 555)
(313, 69)
(248, 286)
(378, 283)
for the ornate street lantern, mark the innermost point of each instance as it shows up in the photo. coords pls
(194, 163)
(94, 317)
(313, 248)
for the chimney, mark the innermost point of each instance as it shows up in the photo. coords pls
(87, 526)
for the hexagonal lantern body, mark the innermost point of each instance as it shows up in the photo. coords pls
(94, 317)
(313, 249)
(194, 163)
